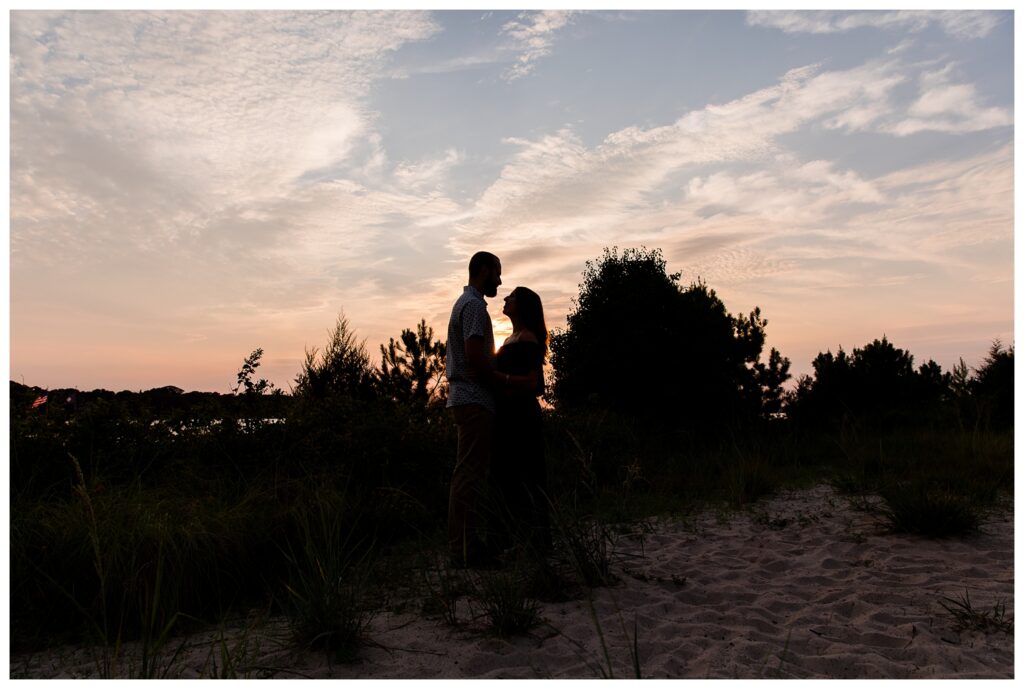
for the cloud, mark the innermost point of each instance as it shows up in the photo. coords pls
(786, 190)
(722, 195)
(212, 157)
(427, 174)
(556, 188)
(944, 106)
(533, 35)
(963, 25)
(942, 207)
(124, 114)
(456, 64)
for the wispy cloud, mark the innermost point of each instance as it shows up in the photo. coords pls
(944, 206)
(202, 113)
(455, 64)
(556, 189)
(556, 186)
(190, 154)
(534, 35)
(945, 106)
(959, 24)
(428, 174)
(728, 201)
(784, 190)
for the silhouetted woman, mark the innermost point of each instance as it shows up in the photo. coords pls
(518, 475)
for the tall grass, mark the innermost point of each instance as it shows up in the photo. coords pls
(585, 546)
(224, 516)
(329, 578)
(216, 500)
(444, 586)
(108, 552)
(926, 508)
(933, 483)
(506, 602)
(155, 617)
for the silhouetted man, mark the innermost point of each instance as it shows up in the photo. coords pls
(470, 371)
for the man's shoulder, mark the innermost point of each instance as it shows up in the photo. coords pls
(470, 309)
(469, 296)
(460, 303)
(471, 302)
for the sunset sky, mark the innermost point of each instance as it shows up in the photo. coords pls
(186, 187)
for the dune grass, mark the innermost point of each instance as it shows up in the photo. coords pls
(936, 484)
(155, 534)
(329, 573)
(506, 603)
(924, 508)
(444, 588)
(967, 617)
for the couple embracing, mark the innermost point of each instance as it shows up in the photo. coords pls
(497, 495)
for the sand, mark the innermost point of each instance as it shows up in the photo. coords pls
(803, 585)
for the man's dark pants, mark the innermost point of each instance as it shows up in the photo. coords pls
(475, 426)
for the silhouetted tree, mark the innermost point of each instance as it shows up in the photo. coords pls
(246, 374)
(254, 400)
(932, 385)
(413, 368)
(992, 387)
(769, 379)
(884, 378)
(639, 343)
(342, 368)
(877, 383)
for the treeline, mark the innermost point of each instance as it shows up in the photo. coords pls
(637, 342)
(878, 382)
(641, 344)
(154, 403)
(411, 370)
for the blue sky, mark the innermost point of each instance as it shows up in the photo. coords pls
(188, 186)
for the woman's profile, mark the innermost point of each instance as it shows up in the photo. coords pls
(517, 472)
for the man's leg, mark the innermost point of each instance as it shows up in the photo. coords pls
(475, 432)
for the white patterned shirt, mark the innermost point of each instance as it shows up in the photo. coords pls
(469, 319)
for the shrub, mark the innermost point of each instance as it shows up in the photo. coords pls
(328, 580)
(701, 362)
(505, 601)
(930, 510)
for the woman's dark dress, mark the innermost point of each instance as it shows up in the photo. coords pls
(517, 472)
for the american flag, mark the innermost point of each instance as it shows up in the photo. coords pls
(40, 401)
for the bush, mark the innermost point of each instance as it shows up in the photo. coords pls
(930, 510)
(329, 576)
(508, 607)
(639, 344)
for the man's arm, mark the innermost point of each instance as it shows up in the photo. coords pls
(480, 363)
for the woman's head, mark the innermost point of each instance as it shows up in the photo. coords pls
(524, 305)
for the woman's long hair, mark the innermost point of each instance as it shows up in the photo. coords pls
(531, 313)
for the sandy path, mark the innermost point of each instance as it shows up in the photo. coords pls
(800, 586)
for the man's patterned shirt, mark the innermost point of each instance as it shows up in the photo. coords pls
(469, 318)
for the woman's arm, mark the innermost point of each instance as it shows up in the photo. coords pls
(513, 385)
(523, 384)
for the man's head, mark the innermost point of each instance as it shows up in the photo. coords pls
(485, 273)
